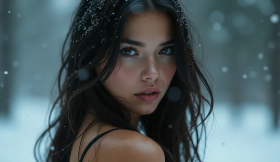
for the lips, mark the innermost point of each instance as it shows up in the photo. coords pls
(149, 89)
(148, 97)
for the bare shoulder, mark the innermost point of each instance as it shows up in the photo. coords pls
(127, 146)
(117, 146)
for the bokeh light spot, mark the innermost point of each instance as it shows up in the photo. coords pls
(174, 94)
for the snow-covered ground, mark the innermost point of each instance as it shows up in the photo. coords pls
(20, 131)
(246, 136)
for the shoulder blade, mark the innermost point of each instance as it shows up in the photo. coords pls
(130, 146)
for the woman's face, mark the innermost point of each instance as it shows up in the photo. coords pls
(147, 65)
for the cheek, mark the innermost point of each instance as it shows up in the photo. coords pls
(167, 72)
(121, 79)
(126, 75)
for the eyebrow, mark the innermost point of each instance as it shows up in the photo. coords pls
(141, 44)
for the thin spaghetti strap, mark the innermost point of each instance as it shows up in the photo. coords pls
(95, 139)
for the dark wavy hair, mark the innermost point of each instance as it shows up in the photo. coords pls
(176, 125)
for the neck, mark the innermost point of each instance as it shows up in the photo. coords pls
(134, 120)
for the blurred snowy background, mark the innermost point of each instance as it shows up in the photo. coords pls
(241, 43)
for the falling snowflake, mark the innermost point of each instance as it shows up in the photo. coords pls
(274, 18)
(268, 78)
(265, 68)
(260, 56)
(224, 69)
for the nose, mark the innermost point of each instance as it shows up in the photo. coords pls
(150, 71)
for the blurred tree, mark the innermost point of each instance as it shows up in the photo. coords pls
(236, 34)
(5, 55)
(275, 67)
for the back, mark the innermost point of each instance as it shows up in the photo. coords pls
(117, 146)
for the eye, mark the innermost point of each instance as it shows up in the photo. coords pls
(128, 51)
(167, 50)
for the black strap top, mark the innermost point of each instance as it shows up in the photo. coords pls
(95, 139)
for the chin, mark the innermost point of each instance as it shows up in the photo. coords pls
(147, 110)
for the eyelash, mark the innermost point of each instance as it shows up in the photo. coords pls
(131, 48)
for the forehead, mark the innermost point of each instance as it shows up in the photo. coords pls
(148, 26)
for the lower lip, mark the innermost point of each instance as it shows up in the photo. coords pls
(148, 98)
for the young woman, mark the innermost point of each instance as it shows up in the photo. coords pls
(131, 89)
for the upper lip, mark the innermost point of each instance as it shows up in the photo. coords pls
(149, 89)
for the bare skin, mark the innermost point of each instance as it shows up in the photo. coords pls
(116, 146)
(150, 65)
